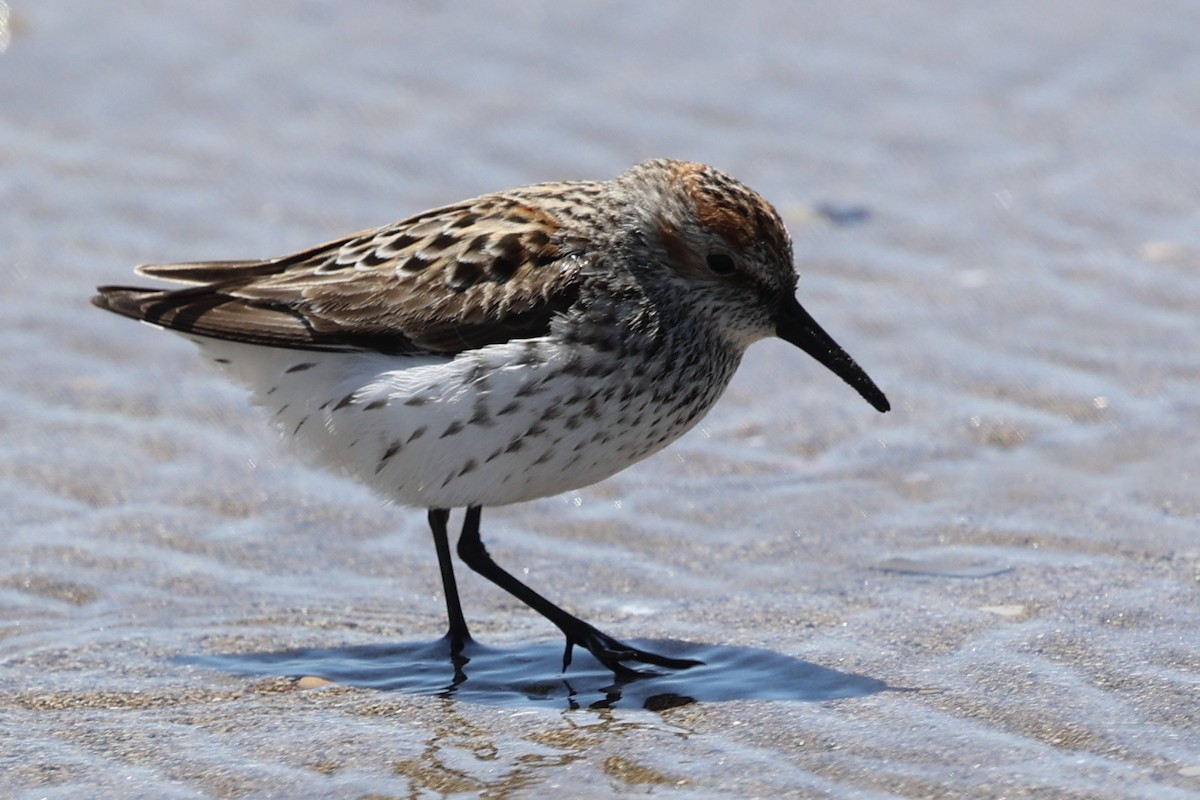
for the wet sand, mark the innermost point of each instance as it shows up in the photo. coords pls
(990, 592)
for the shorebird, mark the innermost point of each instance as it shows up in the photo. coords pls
(513, 346)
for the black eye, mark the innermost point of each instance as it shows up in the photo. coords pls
(721, 264)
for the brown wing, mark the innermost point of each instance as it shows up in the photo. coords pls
(459, 277)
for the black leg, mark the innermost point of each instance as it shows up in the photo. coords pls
(607, 650)
(458, 633)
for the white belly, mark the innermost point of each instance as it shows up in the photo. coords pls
(491, 427)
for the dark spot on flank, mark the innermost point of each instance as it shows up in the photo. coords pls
(416, 402)
(453, 428)
(300, 367)
(496, 454)
(529, 355)
(508, 409)
(598, 370)
(474, 373)
(529, 389)
(283, 408)
(221, 361)
(417, 434)
(374, 404)
(299, 425)
(273, 390)
(515, 446)
(544, 457)
(468, 467)
(345, 401)
(481, 416)
(393, 448)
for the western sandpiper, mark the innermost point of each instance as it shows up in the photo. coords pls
(505, 348)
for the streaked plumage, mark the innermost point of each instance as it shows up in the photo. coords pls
(505, 348)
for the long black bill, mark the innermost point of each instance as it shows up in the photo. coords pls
(796, 326)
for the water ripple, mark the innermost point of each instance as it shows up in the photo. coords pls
(533, 674)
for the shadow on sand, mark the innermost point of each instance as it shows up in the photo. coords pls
(533, 673)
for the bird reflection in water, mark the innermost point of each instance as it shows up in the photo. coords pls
(533, 674)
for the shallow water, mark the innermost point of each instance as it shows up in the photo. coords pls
(535, 673)
(995, 212)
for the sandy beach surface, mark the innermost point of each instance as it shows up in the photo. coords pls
(990, 592)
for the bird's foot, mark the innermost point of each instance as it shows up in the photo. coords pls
(458, 640)
(611, 652)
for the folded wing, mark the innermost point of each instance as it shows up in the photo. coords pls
(455, 278)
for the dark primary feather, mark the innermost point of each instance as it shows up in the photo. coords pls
(455, 278)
